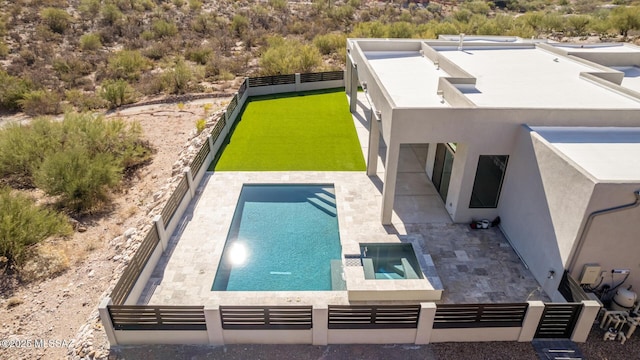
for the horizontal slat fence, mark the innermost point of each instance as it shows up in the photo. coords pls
(174, 201)
(133, 270)
(374, 317)
(272, 80)
(157, 317)
(199, 159)
(321, 76)
(558, 320)
(242, 89)
(232, 104)
(266, 317)
(479, 315)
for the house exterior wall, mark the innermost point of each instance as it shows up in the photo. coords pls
(612, 240)
(544, 199)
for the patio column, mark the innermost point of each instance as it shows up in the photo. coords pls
(390, 176)
(353, 89)
(374, 143)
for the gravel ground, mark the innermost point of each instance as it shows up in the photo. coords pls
(594, 349)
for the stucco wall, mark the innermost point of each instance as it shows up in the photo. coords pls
(613, 241)
(544, 199)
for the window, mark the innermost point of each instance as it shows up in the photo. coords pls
(488, 181)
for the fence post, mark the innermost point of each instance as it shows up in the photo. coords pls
(531, 321)
(159, 223)
(320, 323)
(425, 322)
(588, 314)
(297, 81)
(214, 324)
(105, 318)
(189, 175)
(210, 142)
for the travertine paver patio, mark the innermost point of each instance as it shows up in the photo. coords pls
(473, 265)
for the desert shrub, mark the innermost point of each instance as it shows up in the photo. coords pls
(84, 101)
(177, 79)
(374, 29)
(195, 5)
(78, 159)
(201, 124)
(89, 9)
(284, 56)
(400, 30)
(199, 55)
(58, 20)
(23, 224)
(127, 64)
(110, 13)
(12, 90)
(239, 24)
(82, 181)
(90, 42)
(163, 29)
(625, 19)
(40, 102)
(4, 49)
(330, 43)
(117, 93)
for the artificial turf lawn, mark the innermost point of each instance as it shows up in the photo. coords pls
(301, 132)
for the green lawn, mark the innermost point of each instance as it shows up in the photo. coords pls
(310, 131)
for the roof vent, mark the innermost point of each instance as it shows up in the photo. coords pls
(461, 41)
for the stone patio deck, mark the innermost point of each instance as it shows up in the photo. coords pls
(474, 266)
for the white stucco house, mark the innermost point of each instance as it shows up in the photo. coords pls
(545, 136)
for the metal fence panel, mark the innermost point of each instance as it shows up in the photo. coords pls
(266, 317)
(142, 317)
(479, 315)
(373, 317)
(174, 201)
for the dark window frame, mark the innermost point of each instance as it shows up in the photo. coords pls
(503, 167)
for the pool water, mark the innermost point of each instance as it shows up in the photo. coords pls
(282, 238)
(390, 261)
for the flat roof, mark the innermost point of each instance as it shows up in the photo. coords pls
(631, 78)
(607, 153)
(599, 48)
(532, 78)
(410, 79)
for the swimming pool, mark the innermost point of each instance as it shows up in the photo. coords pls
(282, 238)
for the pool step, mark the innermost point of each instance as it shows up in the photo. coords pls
(323, 206)
(337, 278)
(326, 197)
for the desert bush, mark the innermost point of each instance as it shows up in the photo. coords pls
(12, 90)
(199, 55)
(58, 20)
(625, 19)
(163, 29)
(90, 42)
(84, 101)
(195, 5)
(89, 9)
(330, 43)
(287, 56)
(201, 124)
(23, 224)
(4, 49)
(127, 64)
(82, 181)
(239, 24)
(400, 30)
(177, 79)
(40, 102)
(110, 13)
(117, 92)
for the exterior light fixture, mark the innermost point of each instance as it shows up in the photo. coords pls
(552, 274)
